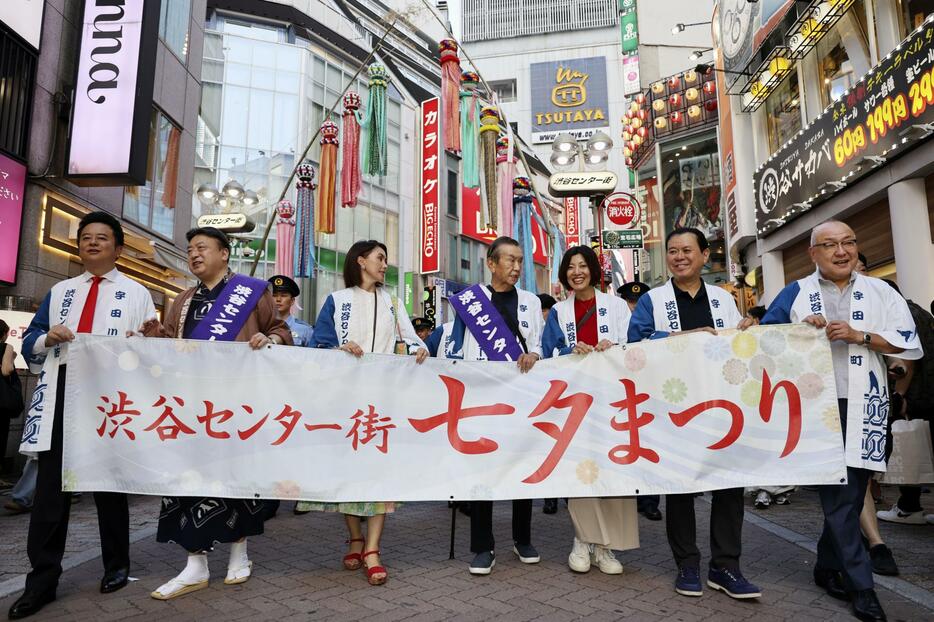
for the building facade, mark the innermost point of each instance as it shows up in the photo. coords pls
(831, 123)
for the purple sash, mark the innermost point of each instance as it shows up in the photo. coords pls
(229, 312)
(486, 324)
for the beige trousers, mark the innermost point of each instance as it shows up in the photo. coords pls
(608, 521)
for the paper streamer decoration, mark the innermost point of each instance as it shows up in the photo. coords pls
(285, 238)
(505, 173)
(489, 132)
(351, 180)
(522, 230)
(374, 120)
(450, 94)
(327, 178)
(470, 129)
(305, 221)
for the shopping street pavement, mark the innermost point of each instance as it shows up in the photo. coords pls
(298, 575)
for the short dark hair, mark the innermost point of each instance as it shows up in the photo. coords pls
(501, 241)
(756, 312)
(105, 219)
(863, 259)
(702, 242)
(547, 300)
(361, 248)
(590, 258)
(4, 329)
(210, 232)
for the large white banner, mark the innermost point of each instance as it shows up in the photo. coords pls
(687, 413)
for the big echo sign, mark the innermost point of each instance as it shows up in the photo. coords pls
(431, 192)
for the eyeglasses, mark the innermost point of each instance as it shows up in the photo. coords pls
(830, 247)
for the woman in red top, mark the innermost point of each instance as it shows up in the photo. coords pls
(591, 321)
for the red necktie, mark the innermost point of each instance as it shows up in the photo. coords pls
(86, 323)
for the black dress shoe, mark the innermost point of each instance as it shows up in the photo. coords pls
(652, 514)
(30, 603)
(866, 606)
(883, 562)
(832, 583)
(114, 580)
(550, 507)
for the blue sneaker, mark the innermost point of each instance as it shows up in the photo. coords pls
(688, 581)
(733, 583)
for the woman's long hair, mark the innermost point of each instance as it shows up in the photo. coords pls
(353, 276)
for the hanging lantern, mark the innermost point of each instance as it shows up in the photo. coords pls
(658, 88)
(694, 113)
(643, 115)
(661, 123)
(627, 152)
(677, 118)
(626, 135)
(711, 105)
(637, 123)
(675, 101)
(630, 115)
(631, 144)
(659, 106)
(692, 94)
(690, 77)
(629, 162)
(633, 107)
(640, 98)
(710, 87)
(642, 132)
(637, 140)
(674, 83)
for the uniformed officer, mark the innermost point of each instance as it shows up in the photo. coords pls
(285, 291)
(423, 327)
(631, 292)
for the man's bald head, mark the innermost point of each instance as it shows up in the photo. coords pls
(830, 228)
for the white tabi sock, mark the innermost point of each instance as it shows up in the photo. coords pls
(196, 570)
(238, 557)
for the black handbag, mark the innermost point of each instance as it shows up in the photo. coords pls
(11, 395)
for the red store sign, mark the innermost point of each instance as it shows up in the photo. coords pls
(431, 192)
(572, 229)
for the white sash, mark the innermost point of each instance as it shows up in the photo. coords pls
(874, 308)
(668, 319)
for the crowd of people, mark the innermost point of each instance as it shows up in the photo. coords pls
(866, 321)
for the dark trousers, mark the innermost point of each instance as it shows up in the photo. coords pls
(648, 503)
(909, 499)
(840, 546)
(481, 524)
(726, 528)
(48, 525)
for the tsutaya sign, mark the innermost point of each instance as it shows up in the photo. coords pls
(431, 190)
(569, 96)
(112, 100)
(676, 415)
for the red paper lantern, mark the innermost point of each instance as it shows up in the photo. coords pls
(640, 98)
(628, 161)
(711, 105)
(643, 132)
(677, 117)
(642, 115)
(674, 83)
(631, 145)
(675, 101)
(630, 114)
(710, 87)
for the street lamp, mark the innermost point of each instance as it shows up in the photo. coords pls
(697, 54)
(565, 149)
(679, 27)
(230, 198)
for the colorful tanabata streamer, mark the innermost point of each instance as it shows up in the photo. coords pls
(374, 120)
(305, 221)
(327, 178)
(351, 180)
(522, 230)
(285, 238)
(450, 94)
(470, 129)
(505, 173)
(489, 131)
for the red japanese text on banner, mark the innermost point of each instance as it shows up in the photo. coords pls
(677, 415)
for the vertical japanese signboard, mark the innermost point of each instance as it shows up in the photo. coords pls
(431, 191)
(572, 229)
(12, 188)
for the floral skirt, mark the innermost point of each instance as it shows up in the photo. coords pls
(354, 509)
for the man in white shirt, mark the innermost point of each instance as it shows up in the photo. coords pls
(101, 301)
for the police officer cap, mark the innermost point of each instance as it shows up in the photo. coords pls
(283, 284)
(632, 291)
(420, 323)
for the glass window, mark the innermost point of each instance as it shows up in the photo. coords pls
(173, 25)
(783, 112)
(843, 54)
(505, 90)
(153, 205)
(452, 254)
(452, 191)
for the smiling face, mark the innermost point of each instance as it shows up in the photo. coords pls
(685, 258)
(506, 266)
(207, 258)
(834, 251)
(373, 266)
(578, 274)
(98, 248)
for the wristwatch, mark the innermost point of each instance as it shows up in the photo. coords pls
(867, 339)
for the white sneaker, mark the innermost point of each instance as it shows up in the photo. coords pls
(763, 500)
(193, 578)
(606, 561)
(579, 559)
(929, 519)
(896, 515)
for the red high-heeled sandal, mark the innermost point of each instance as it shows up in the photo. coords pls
(375, 570)
(353, 561)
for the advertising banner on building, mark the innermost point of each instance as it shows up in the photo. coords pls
(572, 223)
(12, 190)
(881, 117)
(113, 93)
(431, 187)
(629, 28)
(24, 17)
(569, 96)
(677, 415)
(632, 79)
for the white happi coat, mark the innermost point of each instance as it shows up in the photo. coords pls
(560, 334)
(665, 308)
(874, 308)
